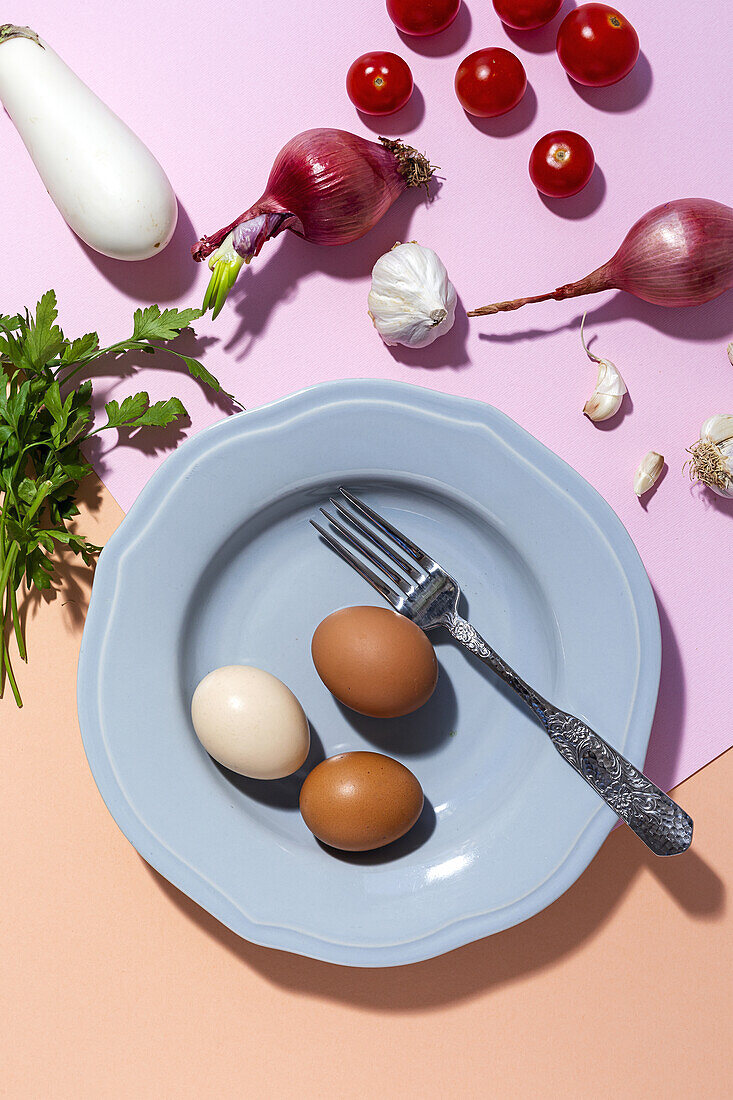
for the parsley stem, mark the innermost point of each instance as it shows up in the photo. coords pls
(113, 349)
(9, 563)
(41, 493)
(6, 586)
(20, 640)
(9, 669)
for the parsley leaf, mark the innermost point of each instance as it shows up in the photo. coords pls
(80, 348)
(152, 324)
(137, 412)
(119, 416)
(52, 401)
(45, 417)
(161, 413)
(198, 370)
(44, 340)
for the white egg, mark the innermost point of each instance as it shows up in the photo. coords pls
(250, 722)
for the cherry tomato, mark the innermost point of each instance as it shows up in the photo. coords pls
(379, 83)
(561, 164)
(526, 15)
(490, 82)
(422, 16)
(596, 45)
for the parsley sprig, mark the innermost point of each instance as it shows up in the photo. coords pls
(45, 416)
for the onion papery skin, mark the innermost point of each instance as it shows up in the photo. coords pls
(338, 185)
(333, 185)
(328, 186)
(678, 254)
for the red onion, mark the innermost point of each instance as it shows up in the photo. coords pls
(328, 186)
(679, 254)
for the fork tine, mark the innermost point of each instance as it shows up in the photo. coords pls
(367, 551)
(363, 570)
(385, 526)
(380, 542)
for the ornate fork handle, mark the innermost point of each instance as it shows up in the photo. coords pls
(653, 815)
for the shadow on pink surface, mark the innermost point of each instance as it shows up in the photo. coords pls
(709, 499)
(709, 322)
(513, 122)
(582, 205)
(537, 944)
(149, 441)
(542, 39)
(628, 94)
(163, 278)
(273, 279)
(449, 41)
(400, 122)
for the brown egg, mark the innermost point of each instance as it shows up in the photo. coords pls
(360, 800)
(375, 661)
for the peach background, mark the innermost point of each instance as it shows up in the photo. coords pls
(115, 985)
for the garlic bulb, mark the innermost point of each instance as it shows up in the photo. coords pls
(412, 301)
(648, 472)
(711, 459)
(606, 398)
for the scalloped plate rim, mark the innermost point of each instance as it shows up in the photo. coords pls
(466, 928)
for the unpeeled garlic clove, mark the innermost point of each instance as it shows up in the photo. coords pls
(730, 352)
(718, 427)
(648, 472)
(605, 401)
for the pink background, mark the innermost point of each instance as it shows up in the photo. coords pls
(215, 95)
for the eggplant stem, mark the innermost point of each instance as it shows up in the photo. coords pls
(9, 30)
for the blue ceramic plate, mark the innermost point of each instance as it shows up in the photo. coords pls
(216, 564)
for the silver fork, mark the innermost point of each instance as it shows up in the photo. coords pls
(423, 591)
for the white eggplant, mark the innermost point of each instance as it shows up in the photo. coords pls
(107, 185)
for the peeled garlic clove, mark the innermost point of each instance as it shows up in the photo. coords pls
(606, 398)
(711, 460)
(412, 301)
(648, 472)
